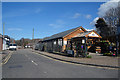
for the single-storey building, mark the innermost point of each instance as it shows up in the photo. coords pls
(69, 39)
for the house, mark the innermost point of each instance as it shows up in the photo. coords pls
(4, 42)
(4, 47)
(64, 41)
(7, 39)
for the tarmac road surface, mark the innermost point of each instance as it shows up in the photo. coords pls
(27, 64)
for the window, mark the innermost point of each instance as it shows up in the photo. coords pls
(10, 44)
(54, 42)
(60, 42)
(14, 45)
(65, 42)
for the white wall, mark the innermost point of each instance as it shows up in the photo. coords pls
(93, 34)
(4, 44)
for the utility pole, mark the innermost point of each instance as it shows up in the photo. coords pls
(33, 38)
(85, 47)
(117, 38)
(117, 43)
(3, 29)
(33, 34)
(117, 33)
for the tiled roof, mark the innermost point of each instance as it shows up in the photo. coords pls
(60, 35)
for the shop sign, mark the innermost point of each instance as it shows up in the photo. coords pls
(93, 34)
(83, 41)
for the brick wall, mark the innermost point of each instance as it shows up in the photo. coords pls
(1, 44)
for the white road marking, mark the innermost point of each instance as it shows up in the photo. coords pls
(74, 63)
(34, 62)
(26, 55)
(45, 72)
(31, 60)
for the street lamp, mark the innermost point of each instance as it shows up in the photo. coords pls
(117, 37)
(85, 48)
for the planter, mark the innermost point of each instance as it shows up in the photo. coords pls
(108, 54)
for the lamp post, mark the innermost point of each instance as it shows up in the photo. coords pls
(117, 38)
(85, 47)
(117, 45)
(117, 31)
(3, 30)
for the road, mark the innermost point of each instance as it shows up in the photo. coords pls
(27, 64)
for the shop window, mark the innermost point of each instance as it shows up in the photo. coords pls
(60, 42)
(55, 42)
(89, 43)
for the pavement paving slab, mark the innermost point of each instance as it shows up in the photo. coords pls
(97, 59)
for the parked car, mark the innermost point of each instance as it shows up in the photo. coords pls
(12, 46)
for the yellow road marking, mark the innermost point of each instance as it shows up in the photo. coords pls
(73, 63)
(6, 59)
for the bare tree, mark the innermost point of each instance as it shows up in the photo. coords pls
(112, 18)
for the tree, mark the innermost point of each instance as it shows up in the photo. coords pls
(112, 18)
(102, 27)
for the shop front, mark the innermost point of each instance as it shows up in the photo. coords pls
(83, 43)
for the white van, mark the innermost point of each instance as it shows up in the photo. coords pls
(12, 46)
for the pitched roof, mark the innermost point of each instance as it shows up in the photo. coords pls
(61, 34)
(6, 36)
(83, 34)
(86, 33)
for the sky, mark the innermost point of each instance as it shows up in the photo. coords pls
(47, 18)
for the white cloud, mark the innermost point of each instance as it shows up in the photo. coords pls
(94, 21)
(89, 29)
(106, 6)
(20, 12)
(60, 21)
(88, 16)
(76, 15)
(57, 24)
(14, 29)
(38, 10)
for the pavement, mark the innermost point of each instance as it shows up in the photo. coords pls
(4, 54)
(27, 64)
(96, 60)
